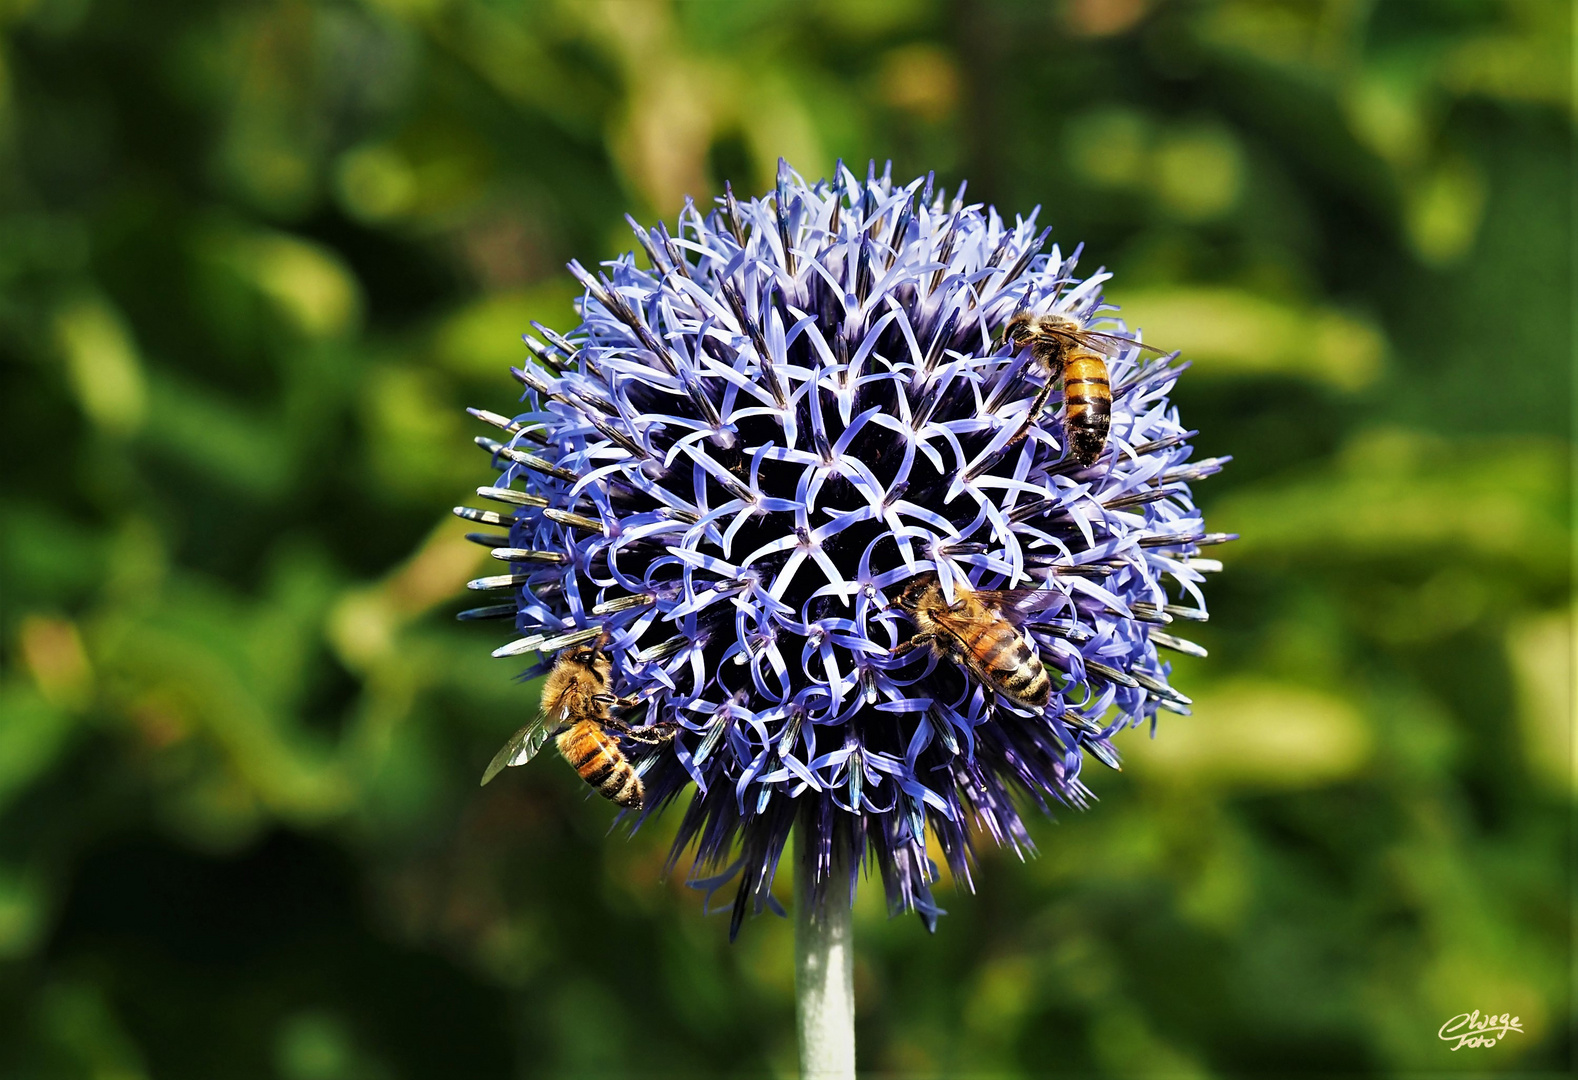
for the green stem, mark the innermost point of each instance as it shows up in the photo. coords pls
(824, 967)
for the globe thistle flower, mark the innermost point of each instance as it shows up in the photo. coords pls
(739, 459)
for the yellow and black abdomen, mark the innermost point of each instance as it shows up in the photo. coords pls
(1009, 665)
(595, 754)
(1087, 399)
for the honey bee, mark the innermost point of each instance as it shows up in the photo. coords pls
(978, 632)
(575, 713)
(1066, 350)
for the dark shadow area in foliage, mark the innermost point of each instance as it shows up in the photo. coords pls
(213, 957)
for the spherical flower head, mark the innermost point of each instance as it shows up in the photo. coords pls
(731, 471)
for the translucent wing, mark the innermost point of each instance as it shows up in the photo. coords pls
(965, 621)
(1017, 604)
(1112, 345)
(521, 748)
(978, 624)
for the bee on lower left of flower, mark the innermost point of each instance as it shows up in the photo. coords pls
(575, 713)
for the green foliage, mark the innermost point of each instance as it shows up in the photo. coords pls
(255, 258)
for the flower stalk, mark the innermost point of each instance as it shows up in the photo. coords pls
(824, 964)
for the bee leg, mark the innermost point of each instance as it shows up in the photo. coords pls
(1030, 417)
(613, 723)
(659, 734)
(610, 699)
(654, 734)
(903, 647)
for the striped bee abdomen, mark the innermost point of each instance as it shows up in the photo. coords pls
(1011, 665)
(1087, 398)
(594, 754)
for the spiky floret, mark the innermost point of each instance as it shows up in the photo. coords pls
(743, 453)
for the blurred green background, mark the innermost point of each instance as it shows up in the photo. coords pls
(254, 259)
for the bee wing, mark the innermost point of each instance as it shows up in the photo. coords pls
(1015, 604)
(964, 622)
(521, 748)
(1112, 345)
(968, 626)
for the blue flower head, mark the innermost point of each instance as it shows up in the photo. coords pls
(732, 469)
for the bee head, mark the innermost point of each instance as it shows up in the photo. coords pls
(915, 591)
(595, 663)
(592, 658)
(1019, 330)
